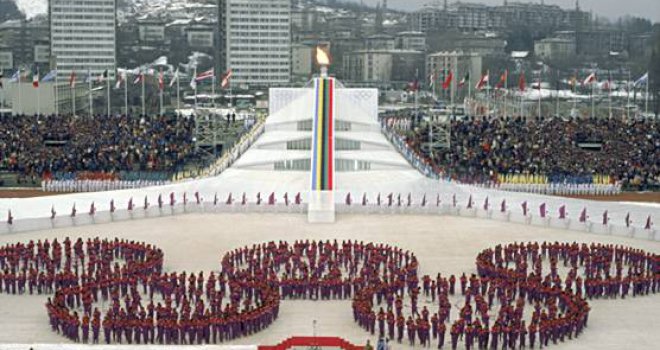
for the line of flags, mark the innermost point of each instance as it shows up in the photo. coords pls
(20, 75)
(484, 80)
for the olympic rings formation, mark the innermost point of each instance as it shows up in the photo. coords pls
(115, 291)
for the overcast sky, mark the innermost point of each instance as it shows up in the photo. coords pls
(608, 8)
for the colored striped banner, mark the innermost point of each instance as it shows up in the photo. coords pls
(323, 136)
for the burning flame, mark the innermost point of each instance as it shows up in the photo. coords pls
(322, 57)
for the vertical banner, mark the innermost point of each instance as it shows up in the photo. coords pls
(323, 136)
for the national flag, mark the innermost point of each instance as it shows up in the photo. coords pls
(562, 212)
(573, 82)
(121, 78)
(524, 208)
(432, 79)
(413, 86)
(522, 82)
(503, 79)
(16, 78)
(161, 81)
(649, 223)
(483, 81)
(542, 211)
(72, 79)
(138, 78)
(101, 78)
(88, 78)
(35, 80)
(50, 76)
(447, 83)
(583, 215)
(465, 80)
(193, 80)
(591, 78)
(606, 218)
(175, 78)
(643, 80)
(209, 74)
(226, 79)
(348, 200)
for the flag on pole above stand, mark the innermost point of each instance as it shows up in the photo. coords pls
(643, 80)
(465, 80)
(35, 80)
(50, 76)
(590, 79)
(447, 83)
(175, 78)
(72, 79)
(226, 79)
(521, 82)
(483, 81)
(121, 78)
(101, 78)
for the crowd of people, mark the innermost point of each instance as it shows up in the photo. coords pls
(39, 146)
(115, 291)
(628, 151)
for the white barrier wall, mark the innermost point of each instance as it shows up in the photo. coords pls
(477, 212)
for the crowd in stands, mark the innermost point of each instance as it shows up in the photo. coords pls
(571, 150)
(37, 147)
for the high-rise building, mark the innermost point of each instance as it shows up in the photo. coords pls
(258, 41)
(83, 36)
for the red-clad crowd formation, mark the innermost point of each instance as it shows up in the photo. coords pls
(145, 305)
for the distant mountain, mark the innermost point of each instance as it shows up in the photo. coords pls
(8, 10)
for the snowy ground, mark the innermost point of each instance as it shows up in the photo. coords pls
(443, 244)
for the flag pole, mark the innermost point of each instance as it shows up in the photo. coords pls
(38, 97)
(126, 94)
(539, 88)
(108, 87)
(144, 103)
(57, 104)
(628, 95)
(647, 96)
(161, 86)
(178, 94)
(593, 102)
(19, 92)
(91, 102)
(73, 97)
(213, 90)
(609, 92)
(506, 92)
